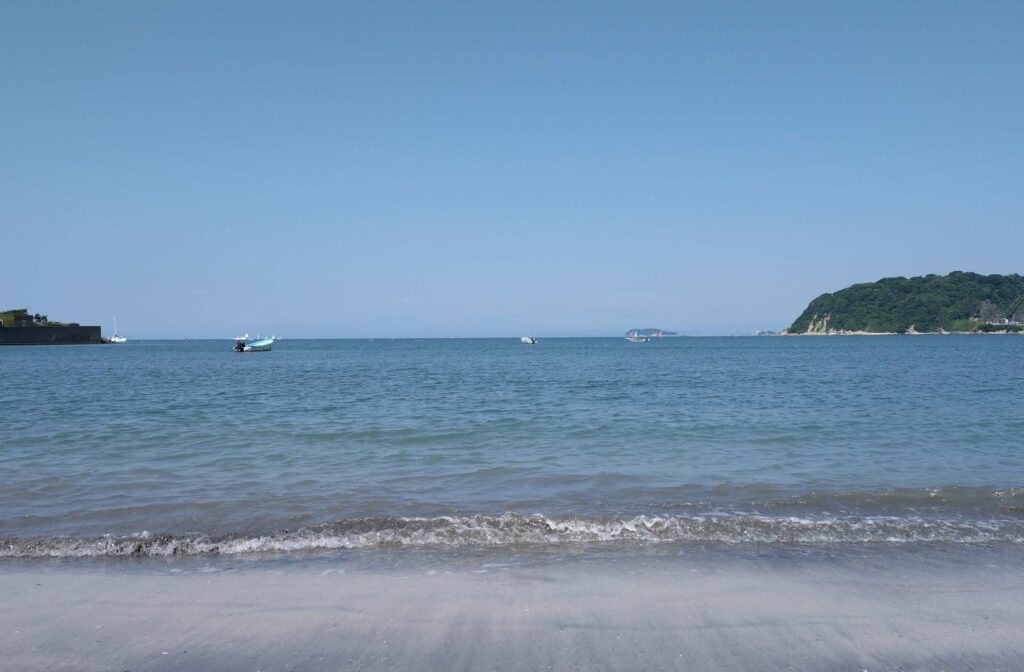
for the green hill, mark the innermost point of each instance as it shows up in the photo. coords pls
(955, 302)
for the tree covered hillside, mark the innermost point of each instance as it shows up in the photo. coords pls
(956, 302)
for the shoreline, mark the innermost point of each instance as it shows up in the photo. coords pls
(909, 333)
(695, 609)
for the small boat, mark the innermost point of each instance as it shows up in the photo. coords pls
(528, 340)
(634, 336)
(115, 338)
(243, 344)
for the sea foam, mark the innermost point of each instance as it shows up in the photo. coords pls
(515, 529)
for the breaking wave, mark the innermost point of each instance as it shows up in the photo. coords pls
(515, 529)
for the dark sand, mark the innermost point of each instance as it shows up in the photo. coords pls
(896, 611)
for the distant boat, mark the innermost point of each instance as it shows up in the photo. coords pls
(634, 336)
(115, 338)
(243, 344)
(528, 340)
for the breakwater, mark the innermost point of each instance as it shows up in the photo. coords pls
(49, 335)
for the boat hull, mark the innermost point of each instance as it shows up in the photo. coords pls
(259, 346)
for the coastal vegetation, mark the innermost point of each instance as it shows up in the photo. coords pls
(958, 302)
(20, 317)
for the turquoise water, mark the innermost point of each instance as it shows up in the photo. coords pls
(187, 447)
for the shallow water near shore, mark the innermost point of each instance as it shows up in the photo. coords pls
(185, 448)
(654, 607)
(925, 558)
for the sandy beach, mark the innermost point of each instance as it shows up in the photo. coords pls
(902, 611)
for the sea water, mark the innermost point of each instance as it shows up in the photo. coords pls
(185, 447)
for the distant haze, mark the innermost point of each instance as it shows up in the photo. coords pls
(479, 169)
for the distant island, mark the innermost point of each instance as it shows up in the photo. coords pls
(960, 302)
(650, 332)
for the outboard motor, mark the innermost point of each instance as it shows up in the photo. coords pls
(239, 346)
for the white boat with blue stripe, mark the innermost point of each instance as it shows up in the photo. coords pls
(245, 344)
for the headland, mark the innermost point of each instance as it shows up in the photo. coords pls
(958, 303)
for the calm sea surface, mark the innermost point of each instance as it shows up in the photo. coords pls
(186, 447)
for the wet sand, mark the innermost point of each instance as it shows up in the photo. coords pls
(912, 612)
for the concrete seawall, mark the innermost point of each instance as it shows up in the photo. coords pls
(49, 335)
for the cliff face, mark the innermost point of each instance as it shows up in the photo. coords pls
(955, 302)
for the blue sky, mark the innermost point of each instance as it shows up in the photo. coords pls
(441, 169)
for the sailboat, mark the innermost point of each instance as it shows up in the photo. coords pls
(115, 338)
(636, 336)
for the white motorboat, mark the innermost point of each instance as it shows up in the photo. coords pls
(528, 340)
(244, 344)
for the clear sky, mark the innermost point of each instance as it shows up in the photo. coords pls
(483, 168)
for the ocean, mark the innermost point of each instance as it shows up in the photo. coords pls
(183, 448)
